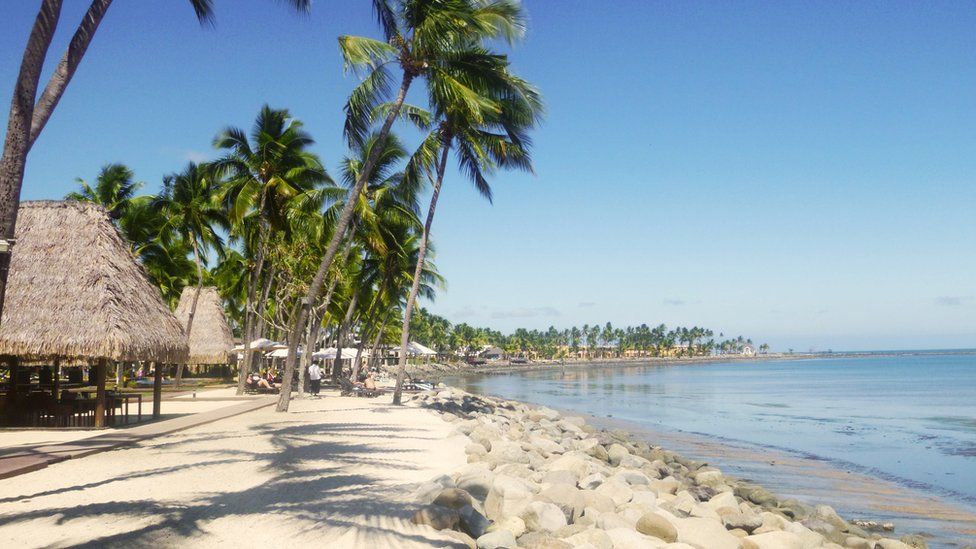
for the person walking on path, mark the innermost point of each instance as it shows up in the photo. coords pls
(315, 378)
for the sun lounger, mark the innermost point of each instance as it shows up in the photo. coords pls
(348, 388)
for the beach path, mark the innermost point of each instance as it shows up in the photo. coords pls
(333, 472)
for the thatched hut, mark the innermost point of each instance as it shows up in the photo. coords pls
(211, 341)
(76, 294)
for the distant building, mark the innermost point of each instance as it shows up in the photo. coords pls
(491, 352)
(748, 350)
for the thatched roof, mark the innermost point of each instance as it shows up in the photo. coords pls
(211, 340)
(75, 292)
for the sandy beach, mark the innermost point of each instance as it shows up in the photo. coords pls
(333, 472)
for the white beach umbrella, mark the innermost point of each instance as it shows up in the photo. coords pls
(262, 343)
(281, 353)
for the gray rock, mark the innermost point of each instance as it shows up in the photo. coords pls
(499, 539)
(628, 538)
(595, 537)
(742, 521)
(773, 540)
(453, 498)
(541, 516)
(437, 517)
(567, 498)
(541, 540)
(617, 452)
(654, 525)
(591, 482)
(472, 522)
(476, 481)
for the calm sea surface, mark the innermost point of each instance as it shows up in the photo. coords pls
(889, 437)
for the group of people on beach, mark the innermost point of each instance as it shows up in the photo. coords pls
(366, 380)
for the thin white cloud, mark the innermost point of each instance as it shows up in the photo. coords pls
(586, 304)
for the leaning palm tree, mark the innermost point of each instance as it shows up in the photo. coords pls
(418, 36)
(487, 130)
(189, 205)
(268, 175)
(29, 113)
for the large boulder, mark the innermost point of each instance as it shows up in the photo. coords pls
(454, 498)
(542, 540)
(508, 497)
(617, 491)
(628, 538)
(598, 539)
(513, 524)
(437, 517)
(598, 502)
(742, 521)
(545, 446)
(616, 453)
(654, 525)
(591, 482)
(499, 539)
(705, 533)
(567, 498)
(541, 516)
(476, 481)
(503, 451)
(773, 540)
(472, 522)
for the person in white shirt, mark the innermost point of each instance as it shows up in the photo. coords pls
(315, 378)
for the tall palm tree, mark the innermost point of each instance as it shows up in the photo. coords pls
(418, 36)
(191, 210)
(486, 127)
(268, 175)
(29, 114)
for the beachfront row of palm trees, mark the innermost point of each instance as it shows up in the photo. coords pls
(588, 341)
(350, 253)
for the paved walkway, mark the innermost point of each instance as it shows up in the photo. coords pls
(23, 451)
(334, 472)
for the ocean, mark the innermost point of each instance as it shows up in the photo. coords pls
(879, 436)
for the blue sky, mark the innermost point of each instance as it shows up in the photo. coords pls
(801, 173)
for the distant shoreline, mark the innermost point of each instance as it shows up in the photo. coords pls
(439, 370)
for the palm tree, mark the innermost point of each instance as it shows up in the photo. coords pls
(419, 35)
(29, 114)
(268, 175)
(189, 205)
(486, 126)
(114, 189)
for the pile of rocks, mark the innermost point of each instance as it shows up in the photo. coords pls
(537, 479)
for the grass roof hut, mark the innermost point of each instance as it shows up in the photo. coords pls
(75, 293)
(211, 341)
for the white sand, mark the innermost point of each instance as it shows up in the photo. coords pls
(334, 472)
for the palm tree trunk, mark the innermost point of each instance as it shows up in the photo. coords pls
(17, 141)
(250, 315)
(418, 270)
(344, 219)
(66, 68)
(376, 341)
(193, 307)
(343, 334)
(368, 317)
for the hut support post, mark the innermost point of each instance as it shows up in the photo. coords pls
(100, 393)
(157, 389)
(57, 379)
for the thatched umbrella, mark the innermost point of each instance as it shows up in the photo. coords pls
(76, 293)
(211, 341)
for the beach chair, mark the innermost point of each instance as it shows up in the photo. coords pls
(348, 388)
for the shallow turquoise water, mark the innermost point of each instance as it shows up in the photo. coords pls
(908, 419)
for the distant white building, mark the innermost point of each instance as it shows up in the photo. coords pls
(748, 350)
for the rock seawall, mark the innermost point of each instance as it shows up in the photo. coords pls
(537, 479)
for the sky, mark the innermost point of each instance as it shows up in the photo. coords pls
(798, 173)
